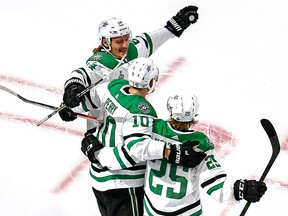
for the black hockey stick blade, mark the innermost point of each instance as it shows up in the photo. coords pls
(270, 130)
(271, 133)
(42, 104)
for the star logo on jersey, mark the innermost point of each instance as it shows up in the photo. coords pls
(175, 137)
(144, 108)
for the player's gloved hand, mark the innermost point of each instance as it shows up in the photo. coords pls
(90, 145)
(250, 190)
(72, 88)
(185, 154)
(67, 114)
(182, 20)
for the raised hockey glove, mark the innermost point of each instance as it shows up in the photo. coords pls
(72, 88)
(182, 20)
(184, 154)
(250, 190)
(67, 114)
(90, 145)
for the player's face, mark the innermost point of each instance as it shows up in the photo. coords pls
(119, 46)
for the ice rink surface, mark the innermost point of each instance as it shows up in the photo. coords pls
(234, 59)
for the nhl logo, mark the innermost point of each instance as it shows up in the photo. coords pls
(144, 108)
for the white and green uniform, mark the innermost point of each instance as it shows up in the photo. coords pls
(127, 126)
(171, 189)
(99, 65)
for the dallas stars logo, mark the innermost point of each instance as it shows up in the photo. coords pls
(143, 107)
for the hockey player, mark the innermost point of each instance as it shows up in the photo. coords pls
(172, 189)
(117, 49)
(126, 134)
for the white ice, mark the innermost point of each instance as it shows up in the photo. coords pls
(235, 62)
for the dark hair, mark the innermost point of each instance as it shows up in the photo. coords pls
(180, 126)
(97, 49)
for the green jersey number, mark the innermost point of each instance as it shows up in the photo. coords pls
(172, 172)
(141, 120)
(108, 130)
(211, 162)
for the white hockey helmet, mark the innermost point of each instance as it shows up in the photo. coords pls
(141, 72)
(113, 27)
(183, 106)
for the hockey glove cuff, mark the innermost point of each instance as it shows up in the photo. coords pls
(184, 154)
(250, 190)
(182, 20)
(90, 145)
(73, 87)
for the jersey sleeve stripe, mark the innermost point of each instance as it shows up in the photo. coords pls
(150, 43)
(214, 188)
(127, 156)
(210, 181)
(135, 135)
(116, 153)
(133, 142)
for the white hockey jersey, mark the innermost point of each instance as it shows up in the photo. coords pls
(126, 127)
(99, 65)
(171, 189)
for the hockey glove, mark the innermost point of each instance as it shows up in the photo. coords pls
(72, 88)
(250, 190)
(67, 114)
(184, 154)
(182, 20)
(90, 145)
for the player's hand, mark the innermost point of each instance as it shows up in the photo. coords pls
(185, 154)
(67, 114)
(182, 20)
(72, 88)
(250, 190)
(90, 145)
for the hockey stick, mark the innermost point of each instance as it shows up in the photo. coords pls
(42, 104)
(81, 93)
(270, 131)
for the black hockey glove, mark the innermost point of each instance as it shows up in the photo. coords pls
(72, 88)
(185, 155)
(67, 114)
(182, 20)
(250, 190)
(90, 145)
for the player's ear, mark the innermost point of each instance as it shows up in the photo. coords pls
(104, 42)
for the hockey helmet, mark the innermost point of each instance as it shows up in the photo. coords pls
(141, 72)
(183, 106)
(111, 28)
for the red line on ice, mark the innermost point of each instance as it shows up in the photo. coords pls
(217, 134)
(20, 81)
(56, 127)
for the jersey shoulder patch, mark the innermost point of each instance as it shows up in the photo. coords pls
(102, 58)
(135, 104)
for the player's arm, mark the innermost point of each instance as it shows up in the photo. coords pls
(214, 181)
(77, 81)
(138, 146)
(148, 43)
